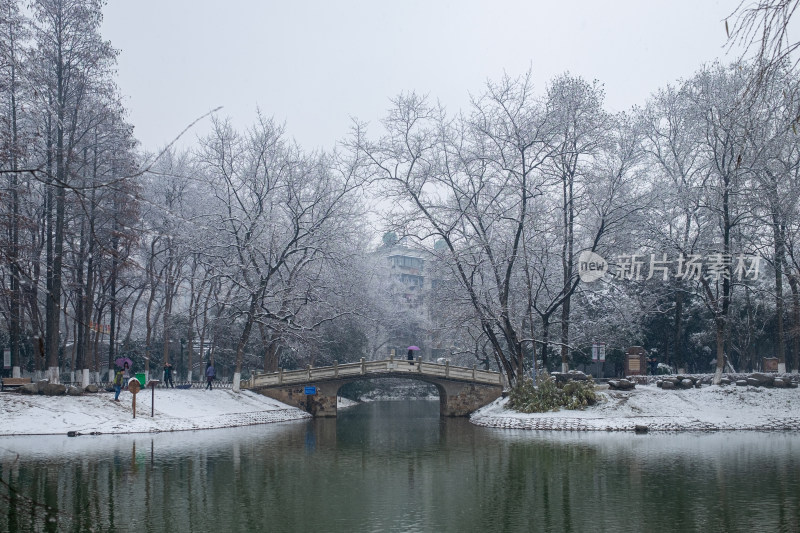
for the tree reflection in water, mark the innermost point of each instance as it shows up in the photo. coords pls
(398, 466)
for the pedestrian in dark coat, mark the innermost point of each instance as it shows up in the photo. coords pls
(410, 357)
(168, 375)
(211, 373)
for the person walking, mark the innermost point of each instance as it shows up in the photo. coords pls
(211, 373)
(126, 375)
(117, 384)
(168, 375)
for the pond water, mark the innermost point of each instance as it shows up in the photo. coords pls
(397, 466)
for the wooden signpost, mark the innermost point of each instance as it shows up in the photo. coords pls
(153, 383)
(134, 386)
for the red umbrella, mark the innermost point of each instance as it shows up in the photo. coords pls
(413, 347)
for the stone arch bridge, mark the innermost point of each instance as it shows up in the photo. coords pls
(461, 390)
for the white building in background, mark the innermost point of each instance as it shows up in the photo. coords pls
(406, 273)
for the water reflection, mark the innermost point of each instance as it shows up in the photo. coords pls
(396, 466)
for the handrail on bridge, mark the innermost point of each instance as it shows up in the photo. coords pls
(373, 368)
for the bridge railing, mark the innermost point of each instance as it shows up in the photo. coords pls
(373, 369)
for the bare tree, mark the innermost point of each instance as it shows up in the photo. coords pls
(12, 38)
(276, 212)
(580, 126)
(73, 68)
(762, 29)
(469, 182)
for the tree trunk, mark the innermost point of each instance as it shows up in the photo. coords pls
(112, 329)
(567, 258)
(779, 261)
(248, 326)
(150, 320)
(271, 349)
(53, 302)
(545, 342)
(793, 284)
(15, 304)
(565, 309)
(720, 331)
(80, 304)
(678, 353)
(722, 300)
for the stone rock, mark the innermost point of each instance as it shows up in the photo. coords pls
(674, 381)
(621, 384)
(660, 383)
(687, 384)
(667, 385)
(723, 381)
(91, 388)
(74, 391)
(741, 383)
(779, 383)
(29, 388)
(641, 429)
(763, 380)
(566, 377)
(52, 389)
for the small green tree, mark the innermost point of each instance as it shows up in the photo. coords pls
(547, 395)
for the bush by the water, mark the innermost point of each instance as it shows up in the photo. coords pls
(548, 396)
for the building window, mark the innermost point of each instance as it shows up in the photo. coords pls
(407, 262)
(411, 281)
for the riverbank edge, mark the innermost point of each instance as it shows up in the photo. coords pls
(233, 420)
(637, 425)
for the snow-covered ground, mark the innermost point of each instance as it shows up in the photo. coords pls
(705, 409)
(344, 403)
(175, 410)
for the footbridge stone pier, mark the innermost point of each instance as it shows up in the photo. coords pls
(461, 390)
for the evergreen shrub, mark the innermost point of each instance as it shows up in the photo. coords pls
(548, 396)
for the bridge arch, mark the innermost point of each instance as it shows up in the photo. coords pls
(461, 390)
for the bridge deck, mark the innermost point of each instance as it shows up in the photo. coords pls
(367, 369)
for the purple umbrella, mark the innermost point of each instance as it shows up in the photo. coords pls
(413, 347)
(120, 362)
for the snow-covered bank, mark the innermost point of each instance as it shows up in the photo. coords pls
(175, 410)
(710, 408)
(344, 403)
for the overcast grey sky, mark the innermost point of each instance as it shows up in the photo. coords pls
(315, 64)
